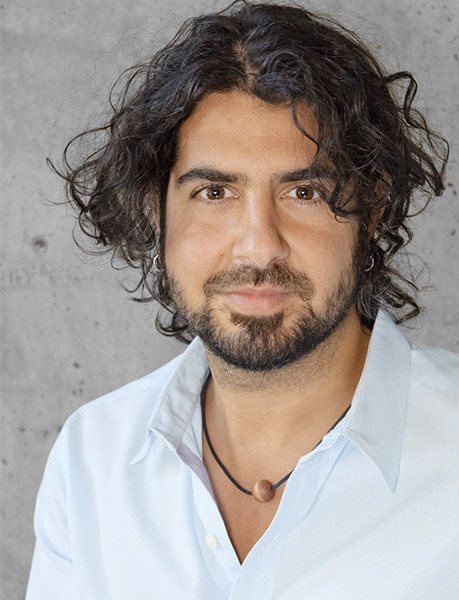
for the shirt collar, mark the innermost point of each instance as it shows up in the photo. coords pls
(375, 423)
(171, 418)
(377, 417)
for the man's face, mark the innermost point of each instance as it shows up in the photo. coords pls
(257, 263)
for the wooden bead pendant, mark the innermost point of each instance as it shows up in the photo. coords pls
(262, 491)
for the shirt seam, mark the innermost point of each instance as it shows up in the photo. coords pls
(434, 386)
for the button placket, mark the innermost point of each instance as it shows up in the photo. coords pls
(212, 523)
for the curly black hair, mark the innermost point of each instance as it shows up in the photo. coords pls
(380, 146)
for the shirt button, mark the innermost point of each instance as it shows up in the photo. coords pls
(211, 541)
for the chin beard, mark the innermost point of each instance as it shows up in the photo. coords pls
(264, 343)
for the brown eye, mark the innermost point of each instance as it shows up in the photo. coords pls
(215, 193)
(305, 192)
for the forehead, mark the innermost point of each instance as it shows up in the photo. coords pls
(237, 129)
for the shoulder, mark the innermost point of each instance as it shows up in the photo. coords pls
(121, 416)
(143, 389)
(433, 412)
(436, 368)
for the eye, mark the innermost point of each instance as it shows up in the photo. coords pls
(304, 194)
(213, 193)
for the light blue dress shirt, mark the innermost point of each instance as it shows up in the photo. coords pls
(126, 512)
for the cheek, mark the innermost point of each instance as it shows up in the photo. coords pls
(327, 252)
(192, 248)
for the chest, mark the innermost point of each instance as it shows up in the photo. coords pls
(246, 520)
(348, 537)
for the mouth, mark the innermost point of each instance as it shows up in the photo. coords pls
(256, 301)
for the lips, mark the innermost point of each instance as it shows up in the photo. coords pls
(256, 300)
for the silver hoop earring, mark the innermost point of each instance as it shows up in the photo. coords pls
(372, 263)
(156, 266)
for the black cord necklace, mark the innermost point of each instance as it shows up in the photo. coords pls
(263, 490)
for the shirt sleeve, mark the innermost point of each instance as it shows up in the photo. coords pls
(52, 575)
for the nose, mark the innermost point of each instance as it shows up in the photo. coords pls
(258, 240)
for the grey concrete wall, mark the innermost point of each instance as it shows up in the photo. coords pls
(69, 332)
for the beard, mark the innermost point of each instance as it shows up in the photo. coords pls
(265, 343)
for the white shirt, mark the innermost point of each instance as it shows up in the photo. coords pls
(126, 511)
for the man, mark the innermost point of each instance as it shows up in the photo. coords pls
(260, 174)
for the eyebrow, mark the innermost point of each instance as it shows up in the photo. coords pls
(209, 174)
(304, 174)
(213, 175)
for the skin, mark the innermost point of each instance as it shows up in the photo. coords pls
(258, 220)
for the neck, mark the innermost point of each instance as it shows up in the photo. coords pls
(290, 406)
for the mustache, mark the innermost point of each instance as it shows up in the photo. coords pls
(277, 276)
